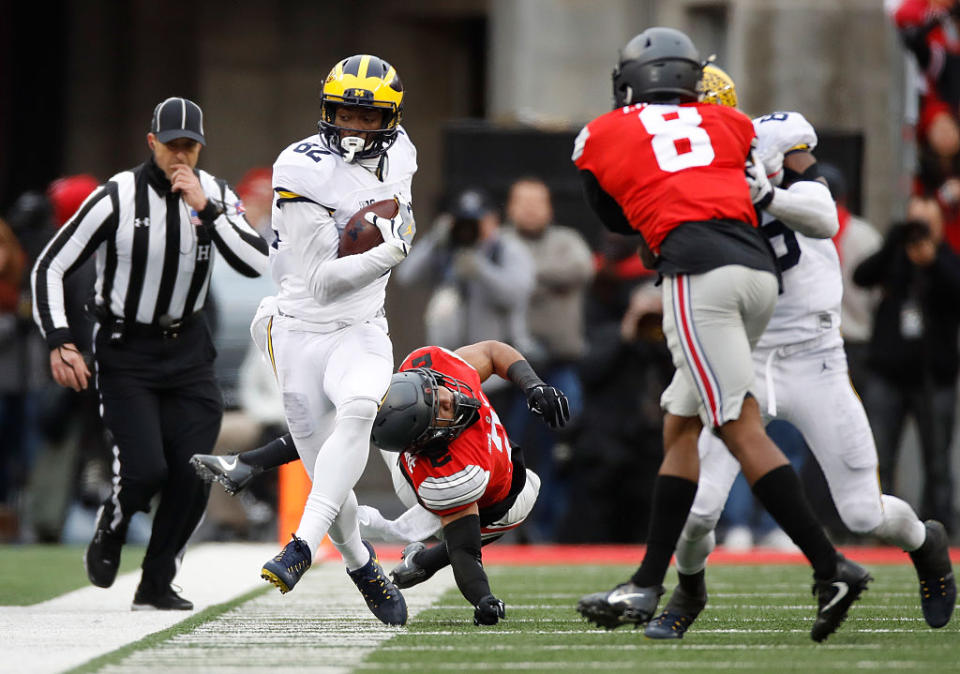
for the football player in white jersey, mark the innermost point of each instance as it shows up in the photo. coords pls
(325, 332)
(801, 377)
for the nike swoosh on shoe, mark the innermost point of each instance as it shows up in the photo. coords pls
(842, 590)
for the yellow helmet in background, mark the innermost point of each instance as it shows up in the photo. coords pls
(717, 87)
(364, 81)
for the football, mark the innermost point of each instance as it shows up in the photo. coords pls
(359, 236)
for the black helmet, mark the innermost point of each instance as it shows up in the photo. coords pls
(407, 420)
(658, 65)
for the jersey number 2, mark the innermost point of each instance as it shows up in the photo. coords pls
(679, 142)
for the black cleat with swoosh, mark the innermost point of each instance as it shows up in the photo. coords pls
(626, 604)
(836, 595)
(230, 471)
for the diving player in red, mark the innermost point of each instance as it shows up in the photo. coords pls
(457, 458)
(683, 175)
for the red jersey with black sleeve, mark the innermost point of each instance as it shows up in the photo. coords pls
(669, 164)
(477, 466)
(675, 175)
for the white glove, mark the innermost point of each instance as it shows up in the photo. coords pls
(399, 230)
(773, 165)
(761, 191)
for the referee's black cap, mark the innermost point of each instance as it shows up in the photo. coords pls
(177, 118)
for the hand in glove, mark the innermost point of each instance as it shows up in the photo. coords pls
(550, 403)
(761, 191)
(773, 166)
(488, 611)
(399, 230)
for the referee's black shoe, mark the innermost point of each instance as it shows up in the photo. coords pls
(102, 557)
(150, 597)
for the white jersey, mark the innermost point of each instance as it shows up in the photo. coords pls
(334, 190)
(812, 279)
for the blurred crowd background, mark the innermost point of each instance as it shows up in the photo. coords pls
(507, 249)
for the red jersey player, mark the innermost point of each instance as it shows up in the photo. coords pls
(458, 460)
(672, 169)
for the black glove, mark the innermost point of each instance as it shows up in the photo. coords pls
(489, 611)
(549, 403)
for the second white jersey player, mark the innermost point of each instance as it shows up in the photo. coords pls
(801, 376)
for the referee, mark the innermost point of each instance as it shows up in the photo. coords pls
(156, 230)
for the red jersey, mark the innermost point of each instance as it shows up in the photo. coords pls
(669, 164)
(477, 467)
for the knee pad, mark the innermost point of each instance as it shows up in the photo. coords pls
(698, 526)
(860, 515)
(358, 408)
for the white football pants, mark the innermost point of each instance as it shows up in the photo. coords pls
(350, 369)
(812, 390)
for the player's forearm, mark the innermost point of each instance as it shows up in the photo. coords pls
(463, 543)
(334, 278)
(806, 207)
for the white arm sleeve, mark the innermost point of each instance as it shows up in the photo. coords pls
(806, 207)
(312, 234)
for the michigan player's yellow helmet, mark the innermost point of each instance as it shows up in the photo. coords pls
(718, 87)
(364, 81)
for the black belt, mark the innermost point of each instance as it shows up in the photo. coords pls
(119, 328)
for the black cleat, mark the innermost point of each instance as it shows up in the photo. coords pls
(102, 557)
(677, 616)
(938, 588)
(408, 573)
(836, 595)
(230, 471)
(288, 567)
(626, 604)
(382, 596)
(149, 598)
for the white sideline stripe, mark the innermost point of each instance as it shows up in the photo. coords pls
(323, 627)
(71, 629)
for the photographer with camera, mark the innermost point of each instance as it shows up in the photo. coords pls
(482, 277)
(913, 356)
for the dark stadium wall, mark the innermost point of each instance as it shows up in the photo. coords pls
(33, 51)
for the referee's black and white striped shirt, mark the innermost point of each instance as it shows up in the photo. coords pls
(154, 253)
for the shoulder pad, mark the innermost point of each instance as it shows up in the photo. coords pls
(460, 489)
(303, 171)
(403, 153)
(784, 132)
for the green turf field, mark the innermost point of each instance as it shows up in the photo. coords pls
(758, 619)
(34, 573)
